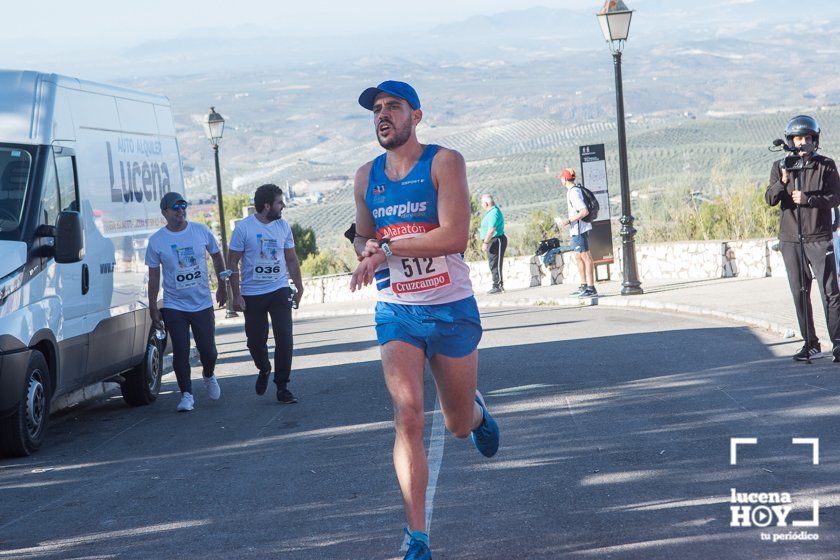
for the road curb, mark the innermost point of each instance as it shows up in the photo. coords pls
(617, 302)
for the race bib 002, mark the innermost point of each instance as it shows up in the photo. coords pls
(188, 273)
(188, 278)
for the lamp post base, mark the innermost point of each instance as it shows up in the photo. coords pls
(631, 289)
(630, 285)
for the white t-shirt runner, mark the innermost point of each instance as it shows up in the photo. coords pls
(181, 255)
(263, 267)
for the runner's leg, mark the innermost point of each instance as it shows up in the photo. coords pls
(178, 328)
(256, 329)
(203, 324)
(456, 380)
(403, 365)
(281, 325)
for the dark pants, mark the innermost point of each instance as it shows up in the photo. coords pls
(820, 256)
(278, 305)
(203, 325)
(495, 255)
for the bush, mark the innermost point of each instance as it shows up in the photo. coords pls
(540, 225)
(474, 251)
(305, 244)
(234, 203)
(323, 263)
(735, 213)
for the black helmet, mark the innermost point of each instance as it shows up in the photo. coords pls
(802, 125)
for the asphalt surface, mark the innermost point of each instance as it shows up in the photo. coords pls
(616, 428)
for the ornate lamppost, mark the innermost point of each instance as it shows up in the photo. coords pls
(615, 18)
(214, 127)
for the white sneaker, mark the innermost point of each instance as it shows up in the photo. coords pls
(213, 389)
(187, 403)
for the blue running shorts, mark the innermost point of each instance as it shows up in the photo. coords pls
(452, 329)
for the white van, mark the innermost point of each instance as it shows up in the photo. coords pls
(83, 167)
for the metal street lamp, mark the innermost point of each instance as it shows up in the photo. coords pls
(615, 18)
(214, 127)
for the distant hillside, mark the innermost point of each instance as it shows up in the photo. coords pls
(517, 162)
(516, 92)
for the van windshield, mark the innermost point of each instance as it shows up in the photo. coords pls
(15, 170)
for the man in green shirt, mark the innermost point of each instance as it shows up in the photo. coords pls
(494, 241)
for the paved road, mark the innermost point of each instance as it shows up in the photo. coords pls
(616, 428)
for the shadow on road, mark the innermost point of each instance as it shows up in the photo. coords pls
(614, 446)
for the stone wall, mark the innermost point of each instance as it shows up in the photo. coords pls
(700, 260)
(517, 274)
(689, 260)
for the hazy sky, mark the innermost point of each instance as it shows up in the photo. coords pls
(89, 38)
(86, 22)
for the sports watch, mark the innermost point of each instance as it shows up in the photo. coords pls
(385, 245)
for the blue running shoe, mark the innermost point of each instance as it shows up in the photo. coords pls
(486, 435)
(417, 549)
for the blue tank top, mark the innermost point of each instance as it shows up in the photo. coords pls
(408, 208)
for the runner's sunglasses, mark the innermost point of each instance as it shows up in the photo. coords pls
(179, 205)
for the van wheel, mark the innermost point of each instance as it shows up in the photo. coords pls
(21, 433)
(142, 384)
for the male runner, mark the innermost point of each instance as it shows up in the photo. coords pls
(265, 245)
(412, 224)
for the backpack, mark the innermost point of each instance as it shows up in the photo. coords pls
(592, 205)
(547, 245)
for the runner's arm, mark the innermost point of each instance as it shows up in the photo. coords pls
(219, 266)
(153, 289)
(293, 266)
(449, 172)
(365, 228)
(233, 264)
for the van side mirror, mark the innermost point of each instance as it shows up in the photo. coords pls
(69, 238)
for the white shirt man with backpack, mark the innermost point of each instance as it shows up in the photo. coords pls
(579, 230)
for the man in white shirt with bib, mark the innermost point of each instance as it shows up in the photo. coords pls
(179, 248)
(264, 244)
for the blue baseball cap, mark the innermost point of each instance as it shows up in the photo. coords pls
(391, 87)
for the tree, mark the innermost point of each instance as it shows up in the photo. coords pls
(305, 244)
(540, 225)
(474, 251)
(233, 204)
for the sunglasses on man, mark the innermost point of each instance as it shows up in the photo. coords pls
(182, 205)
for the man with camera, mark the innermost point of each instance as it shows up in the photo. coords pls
(806, 185)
